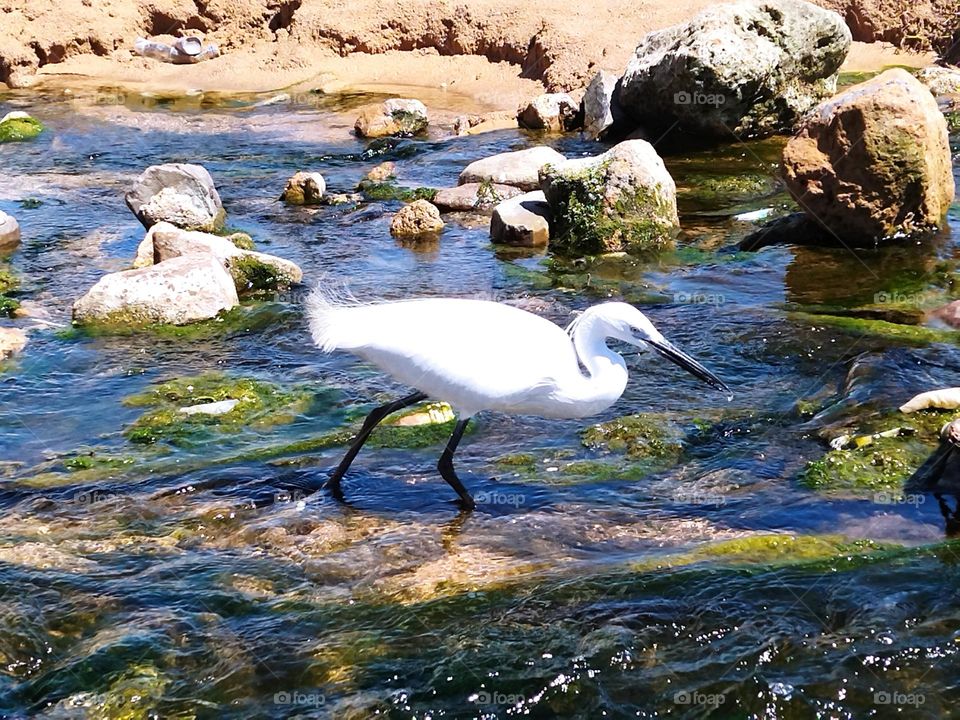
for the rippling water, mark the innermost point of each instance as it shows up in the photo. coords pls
(180, 582)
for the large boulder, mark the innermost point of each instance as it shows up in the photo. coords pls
(393, 118)
(749, 68)
(177, 193)
(522, 221)
(474, 196)
(520, 168)
(179, 291)
(623, 199)
(251, 271)
(874, 161)
(554, 112)
(418, 219)
(9, 232)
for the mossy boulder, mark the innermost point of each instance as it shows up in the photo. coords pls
(18, 126)
(388, 190)
(397, 117)
(304, 188)
(622, 200)
(258, 403)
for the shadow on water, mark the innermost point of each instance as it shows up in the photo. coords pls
(699, 573)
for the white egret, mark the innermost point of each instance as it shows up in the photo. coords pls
(482, 355)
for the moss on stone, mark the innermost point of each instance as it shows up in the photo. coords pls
(387, 191)
(19, 129)
(259, 403)
(8, 280)
(638, 436)
(863, 327)
(241, 240)
(8, 306)
(250, 316)
(134, 695)
(584, 223)
(252, 275)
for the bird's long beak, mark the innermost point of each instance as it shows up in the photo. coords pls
(675, 355)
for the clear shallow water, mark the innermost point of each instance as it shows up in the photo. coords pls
(174, 584)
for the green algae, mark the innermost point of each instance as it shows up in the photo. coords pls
(638, 436)
(134, 695)
(879, 463)
(20, 129)
(253, 275)
(387, 191)
(245, 318)
(261, 404)
(864, 327)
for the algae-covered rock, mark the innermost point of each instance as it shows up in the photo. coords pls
(621, 200)
(18, 126)
(304, 188)
(639, 436)
(258, 403)
(396, 117)
(873, 162)
(387, 190)
(134, 695)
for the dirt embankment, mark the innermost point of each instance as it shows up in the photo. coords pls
(275, 43)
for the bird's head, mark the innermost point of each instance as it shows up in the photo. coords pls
(624, 322)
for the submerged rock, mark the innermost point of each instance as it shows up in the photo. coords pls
(176, 292)
(944, 82)
(9, 232)
(948, 314)
(251, 270)
(304, 188)
(394, 118)
(520, 169)
(554, 112)
(12, 341)
(474, 196)
(874, 161)
(746, 68)
(488, 122)
(522, 221)
(18, 126)
(177, 193)
(623, 199)
(601, 106)
(382, 173)
(418, 219)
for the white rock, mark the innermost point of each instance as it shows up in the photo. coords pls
(177, 292)
(221, 407)
(178, 193)
(520, 169)
(522, 221)
(9, 232)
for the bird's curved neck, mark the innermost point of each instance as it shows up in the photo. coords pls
(607, 371)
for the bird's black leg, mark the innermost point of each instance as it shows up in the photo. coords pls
(445, 466)
(373, 419)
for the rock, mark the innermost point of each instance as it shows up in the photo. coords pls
(945, 399)
(554, 112)
(488, 122)
(601, 106)
(520, 169)
(948, 314)
(18, 126)
(304, 188)
(382, 173)
(417, 219)
(623, 199)
(874, 161)
(474, 196)
(177, 292)
(251, 271)
(749, 68)
(522, 221)
(12, 341)
(177, 193)
(9, 232)
(393, 118)
(944, 82)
